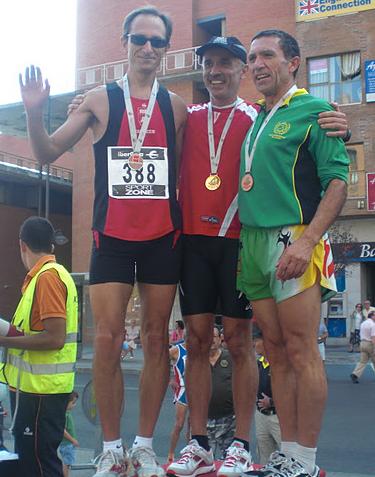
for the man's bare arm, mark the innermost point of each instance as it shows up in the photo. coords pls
(34, 95)
(180, 117)
(295, 259)
(52, 338)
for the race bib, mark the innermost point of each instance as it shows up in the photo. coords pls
(147, 180)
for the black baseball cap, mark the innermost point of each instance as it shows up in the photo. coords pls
(229, 43)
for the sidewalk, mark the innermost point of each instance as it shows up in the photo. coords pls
(335, 354)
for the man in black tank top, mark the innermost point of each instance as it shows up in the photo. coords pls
(146, 35)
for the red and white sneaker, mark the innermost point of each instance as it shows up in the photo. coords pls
(237, 461)
(194, 460)
(144, 462)
(110, 464)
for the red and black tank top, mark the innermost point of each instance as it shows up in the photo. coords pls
(140, 204)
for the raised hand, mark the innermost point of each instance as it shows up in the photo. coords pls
(34, 93)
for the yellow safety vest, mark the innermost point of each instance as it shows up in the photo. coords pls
(44, 371)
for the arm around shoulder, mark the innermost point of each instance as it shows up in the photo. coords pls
(180, 117)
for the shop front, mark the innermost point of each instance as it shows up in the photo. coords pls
(355, 275)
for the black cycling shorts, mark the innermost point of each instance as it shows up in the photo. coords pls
(208, 278)
(152, 261)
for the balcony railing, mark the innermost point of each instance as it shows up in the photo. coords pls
(25, 162)
(174, 63)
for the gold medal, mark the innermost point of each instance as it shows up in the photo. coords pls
(247, 182)
(135, 161)
(212, 182)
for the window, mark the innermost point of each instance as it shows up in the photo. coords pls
(356, 182)
(208, 27)
(90, 77)
(336, 78)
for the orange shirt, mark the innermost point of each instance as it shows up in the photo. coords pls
(50, 294)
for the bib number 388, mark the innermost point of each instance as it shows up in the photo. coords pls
(149, 181)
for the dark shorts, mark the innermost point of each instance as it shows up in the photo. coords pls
(153, 261)
(208, 279)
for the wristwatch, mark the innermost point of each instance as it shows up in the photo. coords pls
(347, 136)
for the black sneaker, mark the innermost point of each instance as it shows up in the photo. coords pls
(354, 378)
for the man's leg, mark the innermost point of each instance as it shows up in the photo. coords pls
(38, 431)
(237, 333)
(265, 442)
(197, 372)
(299, 320)
(197, 458)
(363, 360)
(298, 379)
(109, 302)
(283, 379)
(181, 411)
(49, 432)
(274, 426)
(156, 305)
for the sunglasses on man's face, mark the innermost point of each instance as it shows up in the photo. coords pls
(140, 40)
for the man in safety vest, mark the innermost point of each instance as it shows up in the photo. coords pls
(40, 361)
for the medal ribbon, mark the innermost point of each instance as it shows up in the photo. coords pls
(249, 157)
(215, 157)
(137, 141)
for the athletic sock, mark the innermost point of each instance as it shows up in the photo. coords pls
(288, 448)
(140, 441)
(306, 456)
(115, 446)
(246, 444)
(202, 441)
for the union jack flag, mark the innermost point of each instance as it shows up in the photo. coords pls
(308, 6)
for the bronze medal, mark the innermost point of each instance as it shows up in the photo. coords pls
(247, 182)
(212, 182)
(135, 161)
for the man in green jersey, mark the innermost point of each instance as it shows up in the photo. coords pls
(292, 187)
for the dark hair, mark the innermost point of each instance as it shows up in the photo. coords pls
(180, 324)
(371, 314)
(147, 10)
(287, 43)
(38, 234)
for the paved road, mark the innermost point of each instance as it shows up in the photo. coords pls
(346, 447)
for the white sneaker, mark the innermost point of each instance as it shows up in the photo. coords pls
(237, 461)
(285, 467)
(194, 461)
(276, 460)
(144, 462)
(110, 464)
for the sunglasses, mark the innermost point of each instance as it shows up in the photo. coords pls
(140, 40)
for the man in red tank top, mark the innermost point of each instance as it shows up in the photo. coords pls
(135, 124)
